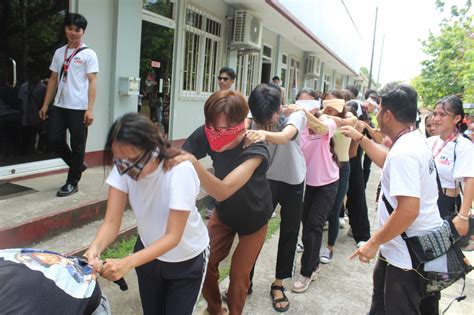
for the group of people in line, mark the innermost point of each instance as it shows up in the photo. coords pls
(306, 157)
(265, 154)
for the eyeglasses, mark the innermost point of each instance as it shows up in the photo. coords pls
(223, 78)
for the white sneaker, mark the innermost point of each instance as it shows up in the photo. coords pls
(302, 283)
(342, 223)
(360, 244)
(326, 256)
(299, 248)
(274, 214)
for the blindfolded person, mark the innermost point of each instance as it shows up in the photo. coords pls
(240, 186)
(170, 255)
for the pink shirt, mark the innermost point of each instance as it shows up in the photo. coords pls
(320, 166)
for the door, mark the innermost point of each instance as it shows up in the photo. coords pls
(156, 57)
(30, 31)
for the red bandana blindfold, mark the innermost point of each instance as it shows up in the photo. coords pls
(218, 138)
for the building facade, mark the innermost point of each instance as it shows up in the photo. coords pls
(162, 57)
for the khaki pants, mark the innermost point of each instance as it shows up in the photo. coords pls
(244, 257)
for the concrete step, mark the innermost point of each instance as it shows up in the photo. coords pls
(76, 241)
(38, 216)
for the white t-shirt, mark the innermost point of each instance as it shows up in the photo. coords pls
(151, 199)
(409, 171)
(450, 170)
(72, 94)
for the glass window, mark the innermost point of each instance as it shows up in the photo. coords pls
(201, 59)
(284, 59)
(267, 51)
(161, 7)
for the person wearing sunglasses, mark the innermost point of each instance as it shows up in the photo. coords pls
(226, 78)
(242, 191)
(170, 256)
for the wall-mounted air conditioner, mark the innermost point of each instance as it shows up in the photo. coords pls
(247, 31)
(312, 66)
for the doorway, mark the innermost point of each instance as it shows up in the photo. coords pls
(30, 31)
(266, 71)
(156, 57)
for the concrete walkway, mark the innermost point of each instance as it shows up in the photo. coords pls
(343, 286)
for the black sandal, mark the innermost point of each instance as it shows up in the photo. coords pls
(280, 300)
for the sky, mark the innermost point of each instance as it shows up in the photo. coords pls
(402, 24)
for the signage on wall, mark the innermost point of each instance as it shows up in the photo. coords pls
(155, 64)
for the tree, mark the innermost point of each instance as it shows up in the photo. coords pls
(450, 68)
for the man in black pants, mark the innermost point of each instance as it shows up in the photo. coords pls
(73, 72)
(409, 187)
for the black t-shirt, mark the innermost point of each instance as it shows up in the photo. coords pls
(248, 209)
(31, 284)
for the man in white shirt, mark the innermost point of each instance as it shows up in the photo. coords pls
(409, 186)
(73, 72)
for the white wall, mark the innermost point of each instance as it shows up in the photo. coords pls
(112, 33)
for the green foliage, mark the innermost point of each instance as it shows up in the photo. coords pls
(450, 67)
(120, 249)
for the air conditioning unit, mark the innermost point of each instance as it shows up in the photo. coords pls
(247, 31)
(312, 66)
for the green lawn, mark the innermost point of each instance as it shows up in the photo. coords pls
(125, 247)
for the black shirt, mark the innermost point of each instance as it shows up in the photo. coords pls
(249, 208)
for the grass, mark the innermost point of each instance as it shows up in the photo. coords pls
(120, 249)
(125, 247)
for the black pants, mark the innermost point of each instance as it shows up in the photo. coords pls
(290, 198)
(318, 201)
(170, 288)
(396, 291)
(366, 168)
(60, 120)
(356, 203)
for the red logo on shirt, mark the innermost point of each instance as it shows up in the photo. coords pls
(77, 60)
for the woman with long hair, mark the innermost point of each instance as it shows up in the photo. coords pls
(322, 177)
(171, 252)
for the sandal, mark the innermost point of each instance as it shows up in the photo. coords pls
(280, 300)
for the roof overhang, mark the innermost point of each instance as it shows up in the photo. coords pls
(278, 19)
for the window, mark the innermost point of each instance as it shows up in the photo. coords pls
(247, 72)
(293, 80)
(161, 7)
(267, 52)
(202, 52)
(338, 82)
(284, 67)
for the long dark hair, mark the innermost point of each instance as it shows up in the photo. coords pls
(453, 105)
(137, 130)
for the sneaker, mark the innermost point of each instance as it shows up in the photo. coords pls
(342, 223)
(302, 283)
(299, 248)
(360, 244)
(326, 256)
(273, 215)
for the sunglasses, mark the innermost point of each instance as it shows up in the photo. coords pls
(223, 78)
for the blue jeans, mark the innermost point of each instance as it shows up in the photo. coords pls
(333, 216)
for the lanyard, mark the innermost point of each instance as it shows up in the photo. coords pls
(401, 133)
(67, 61)
(451, 137)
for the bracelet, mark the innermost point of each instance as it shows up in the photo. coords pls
(463, 217)
(361, 138)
